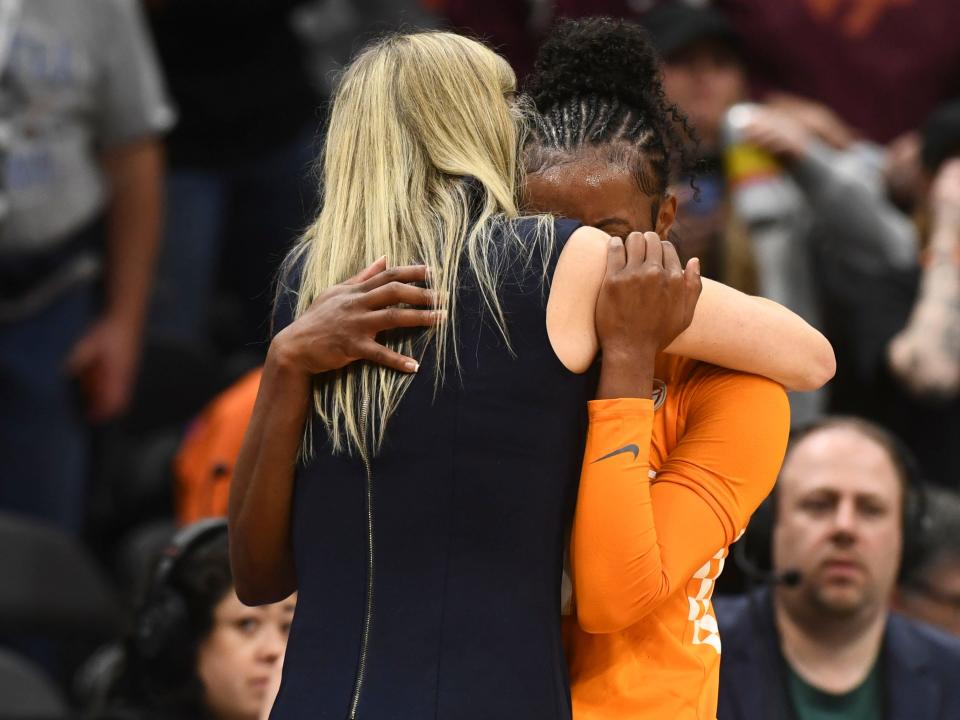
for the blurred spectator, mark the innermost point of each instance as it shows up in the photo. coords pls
(83, 108)
(705, 72)
(239, 187)
(787, 197)
(250, 79)
(896, 330)
(925, 355)
(704, 75)
(195, 650)
(883, 65)
(930, 588)
(821, 640)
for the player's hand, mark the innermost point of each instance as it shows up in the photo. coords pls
(647, 297)
(342, 324)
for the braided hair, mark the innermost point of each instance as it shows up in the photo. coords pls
(597, 88)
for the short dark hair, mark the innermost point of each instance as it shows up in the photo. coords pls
(899, 456)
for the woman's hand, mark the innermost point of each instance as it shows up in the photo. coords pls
(342, 324)
(647, 298)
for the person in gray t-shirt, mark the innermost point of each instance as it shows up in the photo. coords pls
(82, 111)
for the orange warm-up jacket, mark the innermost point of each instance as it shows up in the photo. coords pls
(663, 493)
(203, 467)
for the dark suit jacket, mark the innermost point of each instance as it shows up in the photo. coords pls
(921, 665)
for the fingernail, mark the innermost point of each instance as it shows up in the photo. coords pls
(427, 272)
(696, 265)
(382, 258)
(411, 366)
(614, 241)
(440, 315)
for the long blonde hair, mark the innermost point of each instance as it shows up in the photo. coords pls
(414, 118)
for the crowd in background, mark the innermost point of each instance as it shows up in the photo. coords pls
(157, 162)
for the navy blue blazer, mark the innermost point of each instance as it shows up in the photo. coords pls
(921, 665)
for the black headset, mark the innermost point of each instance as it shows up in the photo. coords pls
(163, 619)
(752, 553)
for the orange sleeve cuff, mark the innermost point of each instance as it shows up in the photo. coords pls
(619, 407)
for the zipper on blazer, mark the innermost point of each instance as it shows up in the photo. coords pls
(368, 612)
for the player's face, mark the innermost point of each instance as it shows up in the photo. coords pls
(839, 522)
(599, 194)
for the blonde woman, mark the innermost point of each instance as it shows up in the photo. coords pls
(422, 515)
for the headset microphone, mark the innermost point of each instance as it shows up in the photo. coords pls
(788, 578)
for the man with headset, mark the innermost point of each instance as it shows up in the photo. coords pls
(819, 640)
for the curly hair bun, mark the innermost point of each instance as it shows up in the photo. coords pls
(598, 56)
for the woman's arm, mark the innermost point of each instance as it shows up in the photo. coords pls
(756, 335)
(729, 328)
(340, 327)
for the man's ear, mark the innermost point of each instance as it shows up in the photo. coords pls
(666, 214)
